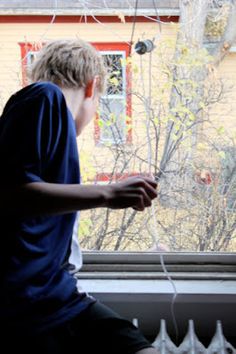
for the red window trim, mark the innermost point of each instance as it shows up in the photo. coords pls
(25, 48)
(80, 19)
(109, 177)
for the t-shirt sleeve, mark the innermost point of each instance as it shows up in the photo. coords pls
(30, 136)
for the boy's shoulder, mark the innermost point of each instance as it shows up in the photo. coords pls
(38, 89)
(34, 94)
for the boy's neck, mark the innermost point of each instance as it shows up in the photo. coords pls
(74, 98)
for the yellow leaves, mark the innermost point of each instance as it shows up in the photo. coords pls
(128, 119)
(184, 51)
(156, 120)
(174, 137)
(201, 146)
(192, 57)
(202, 105)
(87, 169)
(220, 130)
(84, 227)
(126, 61)
(222, 154)
(107, 120)
(184, 113)
(114, 81)
(135, 69)
(100, 123)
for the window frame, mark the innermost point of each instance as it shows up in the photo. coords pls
(135, 285)
(135, 273)
(27, 48)
(183, 265)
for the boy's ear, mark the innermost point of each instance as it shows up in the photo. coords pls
(89, 90)
(91, 87)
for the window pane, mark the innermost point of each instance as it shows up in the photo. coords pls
(115, 84)
(112, 116)
(112, 108)
(178, 104)
(31, 57)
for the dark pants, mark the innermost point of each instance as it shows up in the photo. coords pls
(97, 330)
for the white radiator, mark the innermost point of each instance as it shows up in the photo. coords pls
(191, 343)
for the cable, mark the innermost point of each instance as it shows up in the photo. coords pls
(102, 24)
(149, 157)
(133, 26)
(157, 16)
(175, 293)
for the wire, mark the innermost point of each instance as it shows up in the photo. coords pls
(102, 24)
(133, 26)
(157, 16)
(153, 216)
(175, 293)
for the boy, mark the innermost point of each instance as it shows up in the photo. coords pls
(41, 308)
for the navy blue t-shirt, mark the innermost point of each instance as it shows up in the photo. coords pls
(37, 144)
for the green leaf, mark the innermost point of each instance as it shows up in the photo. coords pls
(222, 154)
(100, 123)
(221, 130)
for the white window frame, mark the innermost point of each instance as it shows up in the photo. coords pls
(122, 97)
(31, 53)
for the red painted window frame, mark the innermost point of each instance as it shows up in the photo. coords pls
(26, 47)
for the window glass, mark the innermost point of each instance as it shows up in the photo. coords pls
(112, 109)
(168, 111)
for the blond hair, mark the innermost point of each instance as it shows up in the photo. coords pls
(68, 63)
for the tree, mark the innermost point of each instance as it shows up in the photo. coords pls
(195, 167)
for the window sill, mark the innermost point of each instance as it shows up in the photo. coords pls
(135, 285)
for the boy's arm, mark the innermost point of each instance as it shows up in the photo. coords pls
(41, 198)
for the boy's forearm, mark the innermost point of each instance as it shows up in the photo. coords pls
(38, 198)
(41, 198)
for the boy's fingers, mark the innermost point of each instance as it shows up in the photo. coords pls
(151, 181)
(150, 188)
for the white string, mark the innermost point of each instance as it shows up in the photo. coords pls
(175, 293)
(104, 25)
(149, 157)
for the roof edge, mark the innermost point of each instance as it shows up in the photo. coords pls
(90, 12)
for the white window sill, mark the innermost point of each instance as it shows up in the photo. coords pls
(135, 285)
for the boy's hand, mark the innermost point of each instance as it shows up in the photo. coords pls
(136, 192)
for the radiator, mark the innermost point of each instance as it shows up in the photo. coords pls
(191, 344)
